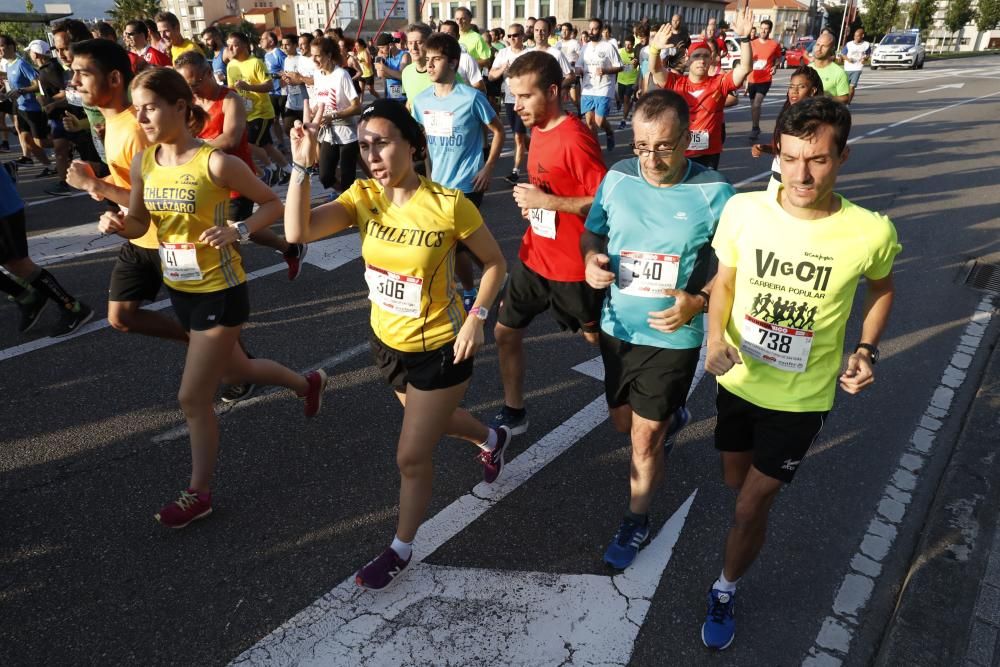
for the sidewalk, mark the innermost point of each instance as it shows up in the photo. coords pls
(949, 609)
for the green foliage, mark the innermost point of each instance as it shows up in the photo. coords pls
(128, 10)
(922, 13)
(22, 33)
(989, 15)
(879, 18)
(960, 13)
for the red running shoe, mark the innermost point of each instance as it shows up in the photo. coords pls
(191, 506)
(382, 572)
(314, 395)
(493, 461)
(296, 253)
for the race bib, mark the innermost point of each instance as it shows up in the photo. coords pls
(393, 292)
(777, 346)
(73, 97)
(248, 104)
(647, 274)
(395, 90)
(543, 222)
(699, 140)
(180, 262)
(759, 64)
(439, 123)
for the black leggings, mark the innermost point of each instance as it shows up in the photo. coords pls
(332, 154)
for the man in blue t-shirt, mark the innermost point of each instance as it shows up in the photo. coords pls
(453, 115)
(648, 241)
(32, 123)
(389, 65)
(274, 59)
(211, 37)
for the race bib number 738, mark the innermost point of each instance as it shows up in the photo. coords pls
(779, 347)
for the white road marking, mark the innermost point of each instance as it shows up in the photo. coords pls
(38, 202)
(833, 642)
(957, 86)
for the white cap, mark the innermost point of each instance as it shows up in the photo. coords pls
(39, 46)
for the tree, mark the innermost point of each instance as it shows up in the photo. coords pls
(958, 15)
(989, 15)
(22, 33)
(922, 14)
(129, 10)
(879, 18)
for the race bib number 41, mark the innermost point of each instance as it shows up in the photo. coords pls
(393, 292)
(180, 262)
(647, 274)
(777, 346)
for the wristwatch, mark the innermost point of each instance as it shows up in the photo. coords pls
(744, 40)
(703, 294)
(872, 350)
(479, 312)
(243, 231)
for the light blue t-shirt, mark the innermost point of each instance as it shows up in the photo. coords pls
(658, 239)
(20, 74)
(453, 126)
(275, 61)
(394, 87)
(219, 65)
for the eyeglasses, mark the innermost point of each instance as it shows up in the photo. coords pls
(515, 34)
(131, 34)
(661, 151)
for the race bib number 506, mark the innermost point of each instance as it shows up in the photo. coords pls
(777, 346)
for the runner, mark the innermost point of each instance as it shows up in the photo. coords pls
(170, 31)
(274, 59)
(854, 56)
(421, 339)
(706, 95)
(468, 70)
(570, 48)
(52, 97)
(542, 44)
(367, 73)
(334, 107)
(83, 123)
(389, 66)
(627, 79)
(181, 190)
(835, 83)
(213, 40)
(655, 268)
(296, 66)
(500, 72)
(415, 77)
(140, 53)
(473, 42)
(30, 286)
(766, 54)
(453, 117)
(598, 64)
(776, 335)
(803, 83)
(565, 168)
(32, 125)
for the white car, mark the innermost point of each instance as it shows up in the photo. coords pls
(899, 49)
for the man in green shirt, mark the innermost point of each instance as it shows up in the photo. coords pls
(835, 83)
(627, 79)
(473, 42)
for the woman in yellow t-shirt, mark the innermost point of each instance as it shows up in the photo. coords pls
(422, 341)
(367, 73)
(182, 185)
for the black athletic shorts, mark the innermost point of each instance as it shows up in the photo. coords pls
(475, 197)
(425, 371)
(654, 381)
(575, 305)
(201, 311)
(35, 122)
(294, 114)
(754, 89)
(278, 103)
(259, 131)
(710, 161)
(13, 237)
(779, 440)
(240, 208)
(137, 274)
(6, 106)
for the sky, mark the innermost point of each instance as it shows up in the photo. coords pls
(84, 9)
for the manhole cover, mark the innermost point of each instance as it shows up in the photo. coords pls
(984, 276)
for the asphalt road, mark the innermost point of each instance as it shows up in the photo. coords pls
(92, 446)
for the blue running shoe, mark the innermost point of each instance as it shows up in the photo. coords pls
(720, 621)
(516, 425)
(631, 537)
(469, 298)
(678, 421)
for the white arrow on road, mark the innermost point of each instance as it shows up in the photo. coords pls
(950, 85)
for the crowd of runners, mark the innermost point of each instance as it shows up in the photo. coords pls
(650, 258)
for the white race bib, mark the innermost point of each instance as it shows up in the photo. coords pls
(393, 292)
(395, 90)
(248, 103)
(180, 262)
(543, 222)
(648, 274)
(699, 140)
(439, 123)
(777, 346)
(759, 64)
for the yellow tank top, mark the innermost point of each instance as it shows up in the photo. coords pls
(365, 62)
(183, 202)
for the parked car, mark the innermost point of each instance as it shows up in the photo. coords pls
(731, 58)
(795, 56)
(899, 49)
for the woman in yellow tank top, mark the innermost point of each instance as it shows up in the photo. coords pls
(183, 185)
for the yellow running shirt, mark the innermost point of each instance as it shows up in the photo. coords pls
(183, 202)
(795, 283)
(409, 256)
(123, 140)
(253, 71)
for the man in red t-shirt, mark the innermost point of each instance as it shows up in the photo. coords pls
(705, 95)
(766, 54)
(565, 168)
(140, 53)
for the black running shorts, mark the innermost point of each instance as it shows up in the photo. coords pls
(758, 89)
(259, 131)
(779, 440)
(653, 381)
(425, 371)
(575, 305)
(13, 237)
(137, 274)
(35, 122)
(201, 311)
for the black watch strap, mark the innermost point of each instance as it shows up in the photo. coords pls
(871, 350)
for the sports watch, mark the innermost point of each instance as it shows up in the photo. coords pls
(479, 312)
(243, 231)
(872, 350)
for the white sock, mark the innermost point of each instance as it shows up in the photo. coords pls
(403, 549)
(723, 584)
(491, 442)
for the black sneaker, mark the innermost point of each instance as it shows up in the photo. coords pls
(45, 172)
(71, 321)
(24, 159)
(235, 393)
(512, 178)
(754, 134)
(30, 312)
(61, 189)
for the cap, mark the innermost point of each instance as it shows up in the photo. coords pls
(39, 46)
(384, 39)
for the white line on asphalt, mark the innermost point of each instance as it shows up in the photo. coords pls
(834, 639)
(52, 199)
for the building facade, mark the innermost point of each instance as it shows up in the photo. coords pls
(196, 15)
(969, 38)
(788, 16)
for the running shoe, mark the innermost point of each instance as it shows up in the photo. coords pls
(71, 321)
(24, 159)
(493, 460)
(512, 178)
(631, 537)
(235, 393)
(678, 421)
(754, 134)
(621, 124)
(314, 395)
(469, 298)
(293, 257)
(30, 312)
(61, 189)
(504, 418)
(720, 622)
(382, 572)
(267, 175)
(191, 506)
(46, 172)
(611, 141)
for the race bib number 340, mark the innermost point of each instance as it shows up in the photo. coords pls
(648, 274)
(393, 292)
(180, 262)
(777, 346)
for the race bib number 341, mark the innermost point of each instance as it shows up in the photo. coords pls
(393, 292)
(777, 346)
(648, 274)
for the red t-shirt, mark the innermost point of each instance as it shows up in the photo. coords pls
(706, 101)
(149, 57)
(565, 161)
(765, 58)
(216, 123)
